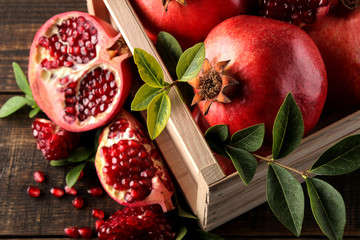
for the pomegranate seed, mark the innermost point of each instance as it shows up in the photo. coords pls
(78, 202)
(57, 192)
(33, 191)
(95, 191)
(98, 224)
(70, 191)
(81, 175)
(85, 232)
(39, 176)
(72, 232)
(96, 213)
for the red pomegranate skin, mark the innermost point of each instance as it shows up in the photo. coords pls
(188, 24)
(337, 35)
(269, 59)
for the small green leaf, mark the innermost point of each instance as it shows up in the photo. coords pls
(288, 128)
(286, 198)
(218, 147)
(158, 114)
(12, 105)
(342, 158)
(200, 234)
(249, 139)
(328, 208)
(190, 62)
(59, 163)
(244, 162)
(97, 136)
(169, 50)
(34, 111)
(149, 69)
(217, 133)
(73, 175)
(79, 154)
(21, 80)
(181, 234)
(181, 212)
(143, 97)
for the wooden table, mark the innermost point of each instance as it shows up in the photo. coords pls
(22, 217)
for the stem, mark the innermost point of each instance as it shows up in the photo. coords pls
(171, 85)
(304, 173)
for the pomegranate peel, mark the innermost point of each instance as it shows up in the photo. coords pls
(129, 167)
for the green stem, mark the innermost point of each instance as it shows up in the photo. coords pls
(171, 85)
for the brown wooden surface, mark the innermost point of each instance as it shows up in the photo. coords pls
(22, 217)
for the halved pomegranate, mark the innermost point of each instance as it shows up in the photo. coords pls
(129, 167)
(79, 71)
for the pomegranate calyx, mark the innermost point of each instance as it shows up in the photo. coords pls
(212, 83)
(165, 3)
(351, 4)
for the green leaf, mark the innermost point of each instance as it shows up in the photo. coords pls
(244, 162)
(218, 147)
(12, 105)
(59, 163)
(158, 114)
(249, 139)
(181, 212)
(97, 136)
(190, 62)
(286, 198)
(328, 208)
(79, 154)
(169, 50)
(21, 80)
(91, 159)
(217, 133)
(143, 97)
(73, 175)
(288, 128)
(181, 234)
(149, 69)
(200, 234)
(34, 111)
(342, 158)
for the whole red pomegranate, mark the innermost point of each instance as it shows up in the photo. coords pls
(189, 22)
(129, 166)
(267, 59)
(78, 71)
(338, 39)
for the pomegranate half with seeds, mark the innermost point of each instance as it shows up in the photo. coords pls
(79, 71)
(129, 167)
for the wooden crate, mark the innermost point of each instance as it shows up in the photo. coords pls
(212, 196)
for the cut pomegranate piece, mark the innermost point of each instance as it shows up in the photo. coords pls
(33, 191)
(53, 141)
(95, 191)
(96, 213)
(129, 167)
(85, 232)
(57, 192)
(72, 232)
(78, 202)
(146, 223)
(39, 176)
(70, 191)
(81, 63)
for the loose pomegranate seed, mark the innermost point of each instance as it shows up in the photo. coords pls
(98, 224)
(81, 175)
(72, 232)
(39, 176)
(78, 202)
(70, 191)
(85, 232)
(57, 192)
(96, 213)
(95, 191)
(33, 191)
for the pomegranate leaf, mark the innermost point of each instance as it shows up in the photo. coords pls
(288, 128)
(73, 175)
(143, 97)
(244, 162)
(328, 208)
(59, 163)
(158, 114)
(149, 69)
(21, 80)
(342, 158)
(190, 62)
(200, 234)
(217, 133)
(285, 197)
(34, 111)
(180, 211)
(249, 139)
(12, 105)
(181, 234)
(169, 50)
(79, 154)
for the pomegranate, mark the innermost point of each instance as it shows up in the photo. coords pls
(33, 191)
(80, 63)
(146, 223)
(268, 59)
(337, 37)
(299, 12)
(39, 176)
(189, 23)
(129, 167)
(54, 142)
